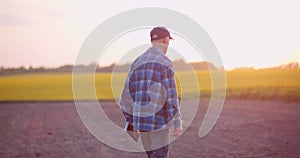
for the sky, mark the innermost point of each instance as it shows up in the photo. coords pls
(257, 33)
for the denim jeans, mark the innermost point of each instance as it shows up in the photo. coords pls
(156, 143)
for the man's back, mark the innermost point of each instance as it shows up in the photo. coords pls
(152, 89)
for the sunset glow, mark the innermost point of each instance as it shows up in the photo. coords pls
(50, 33)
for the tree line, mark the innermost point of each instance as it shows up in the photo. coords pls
(178, 64)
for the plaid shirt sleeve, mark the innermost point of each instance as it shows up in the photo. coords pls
(172, 103)
(126, 103)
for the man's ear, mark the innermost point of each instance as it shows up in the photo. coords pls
(165, 40)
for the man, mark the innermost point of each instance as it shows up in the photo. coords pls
(149, 99)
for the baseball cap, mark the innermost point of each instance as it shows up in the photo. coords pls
(159, 32)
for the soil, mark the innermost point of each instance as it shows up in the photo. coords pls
(246, 128)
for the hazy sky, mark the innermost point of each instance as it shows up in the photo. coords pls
(257, 33)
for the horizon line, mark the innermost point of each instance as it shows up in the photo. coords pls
(128, 63)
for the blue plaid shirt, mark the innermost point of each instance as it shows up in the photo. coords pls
(149, 99)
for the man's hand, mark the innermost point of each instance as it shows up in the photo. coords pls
(177, 132)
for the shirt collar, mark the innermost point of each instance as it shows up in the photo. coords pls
(155, 49)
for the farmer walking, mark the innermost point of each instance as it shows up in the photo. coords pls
(149, 99)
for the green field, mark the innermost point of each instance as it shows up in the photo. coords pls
(250, 84)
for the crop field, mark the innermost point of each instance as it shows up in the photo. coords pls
(250, 84)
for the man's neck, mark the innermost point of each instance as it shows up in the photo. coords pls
(163, 47)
